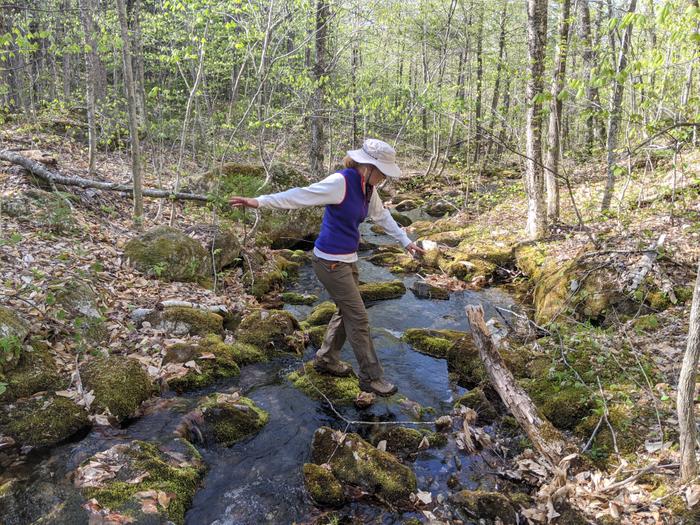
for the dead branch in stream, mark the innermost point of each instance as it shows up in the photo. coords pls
(544, 437)
(40, 171)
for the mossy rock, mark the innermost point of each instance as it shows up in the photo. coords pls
(435, 343)
(378, 230)
(216, 360)
(13, 332)
(296, 256)
(424, 290)
(404, 442)
(220, 242)
(325, 490)
(272, 331)
(43, 420)
(395, 259)
(439, 208)
(35, 372)
(80, 302)
(564, 404)
(488, 507)
(232, 418)
(42, 499)
(477, 401)
(186, 320)
(170, 255)
(401, 219)
(119, 384)
(270, 276)
(355, 462)
(341, 390)
(298, 298)
(316, 335)
(321, 314)
(382, 291)
(464, 363)
(680, 511)
(468, 269)
(174, 469)
(407, 205)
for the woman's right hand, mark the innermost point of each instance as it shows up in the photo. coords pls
(243, 202)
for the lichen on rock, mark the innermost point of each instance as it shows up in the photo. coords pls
(272, 331)
(119, 384)
(355, 462)
(341, 390)
(43, 420)
(168, 254)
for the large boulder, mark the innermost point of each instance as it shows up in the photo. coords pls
(168, 254)
(119, 384)
(272, 331)
(221, 242)
(406, 442)
(43, 420)
(355, 462)
(320, 315)
(36, 371)
(13, 332)
(144, 482)
(340, 390)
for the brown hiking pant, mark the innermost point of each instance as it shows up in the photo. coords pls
(350, 320)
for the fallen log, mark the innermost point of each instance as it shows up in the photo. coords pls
(545, 438)
(44, 174)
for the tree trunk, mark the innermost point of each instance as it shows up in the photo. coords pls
(616, 112)
(589, 58)
(497, 83)
(317, 105)
(544, 437)
(555, 118)
(479, 85)
(140, 86)
(354, 64)
(133, 119)
(86, 18)
(685, 404)
(534, 182)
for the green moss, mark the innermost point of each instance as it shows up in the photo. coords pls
(316, 335)
(646, 323)
(358, 463)
(224, 365)
(321, 314)
(13, 331)
(677, 505)
(298, 298)
(404, 442)
(684, 294)
(382, 291)
(232, 421)
(170, 255)
(322, 486)
(435, 343)
(464, 363)
(401, 219)
(342, 390)
(563, 403)
(35, 372)
(120, 384)
(43, 421)
(487, 506)
(185, 319)
(164, 475)
(272, 331)
(398, 261)
(477, 401)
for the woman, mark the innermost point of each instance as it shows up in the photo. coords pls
(349, 197)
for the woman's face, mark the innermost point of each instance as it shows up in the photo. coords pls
(375, 176)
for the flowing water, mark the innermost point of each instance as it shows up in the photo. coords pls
(260, 480)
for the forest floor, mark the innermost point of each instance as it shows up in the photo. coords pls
(617, 351)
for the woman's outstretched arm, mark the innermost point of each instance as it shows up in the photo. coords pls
(381, 216)
(330, 190)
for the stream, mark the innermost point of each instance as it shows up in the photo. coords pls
(259, 480)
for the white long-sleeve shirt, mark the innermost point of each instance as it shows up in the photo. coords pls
(331, 190)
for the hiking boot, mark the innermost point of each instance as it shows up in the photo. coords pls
(338, 369)
(380, 387)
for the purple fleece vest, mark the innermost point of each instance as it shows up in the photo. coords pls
(340, 234)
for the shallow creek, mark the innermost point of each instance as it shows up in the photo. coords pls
(259, 480)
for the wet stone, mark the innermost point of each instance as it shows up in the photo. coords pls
(425, 290)
(185, 320)
(230, 418)
(272, 331)
(341, 390)
(488, 507)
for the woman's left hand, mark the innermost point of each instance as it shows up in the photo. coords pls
(414, 249)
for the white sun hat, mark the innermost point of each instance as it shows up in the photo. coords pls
(379, 154)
